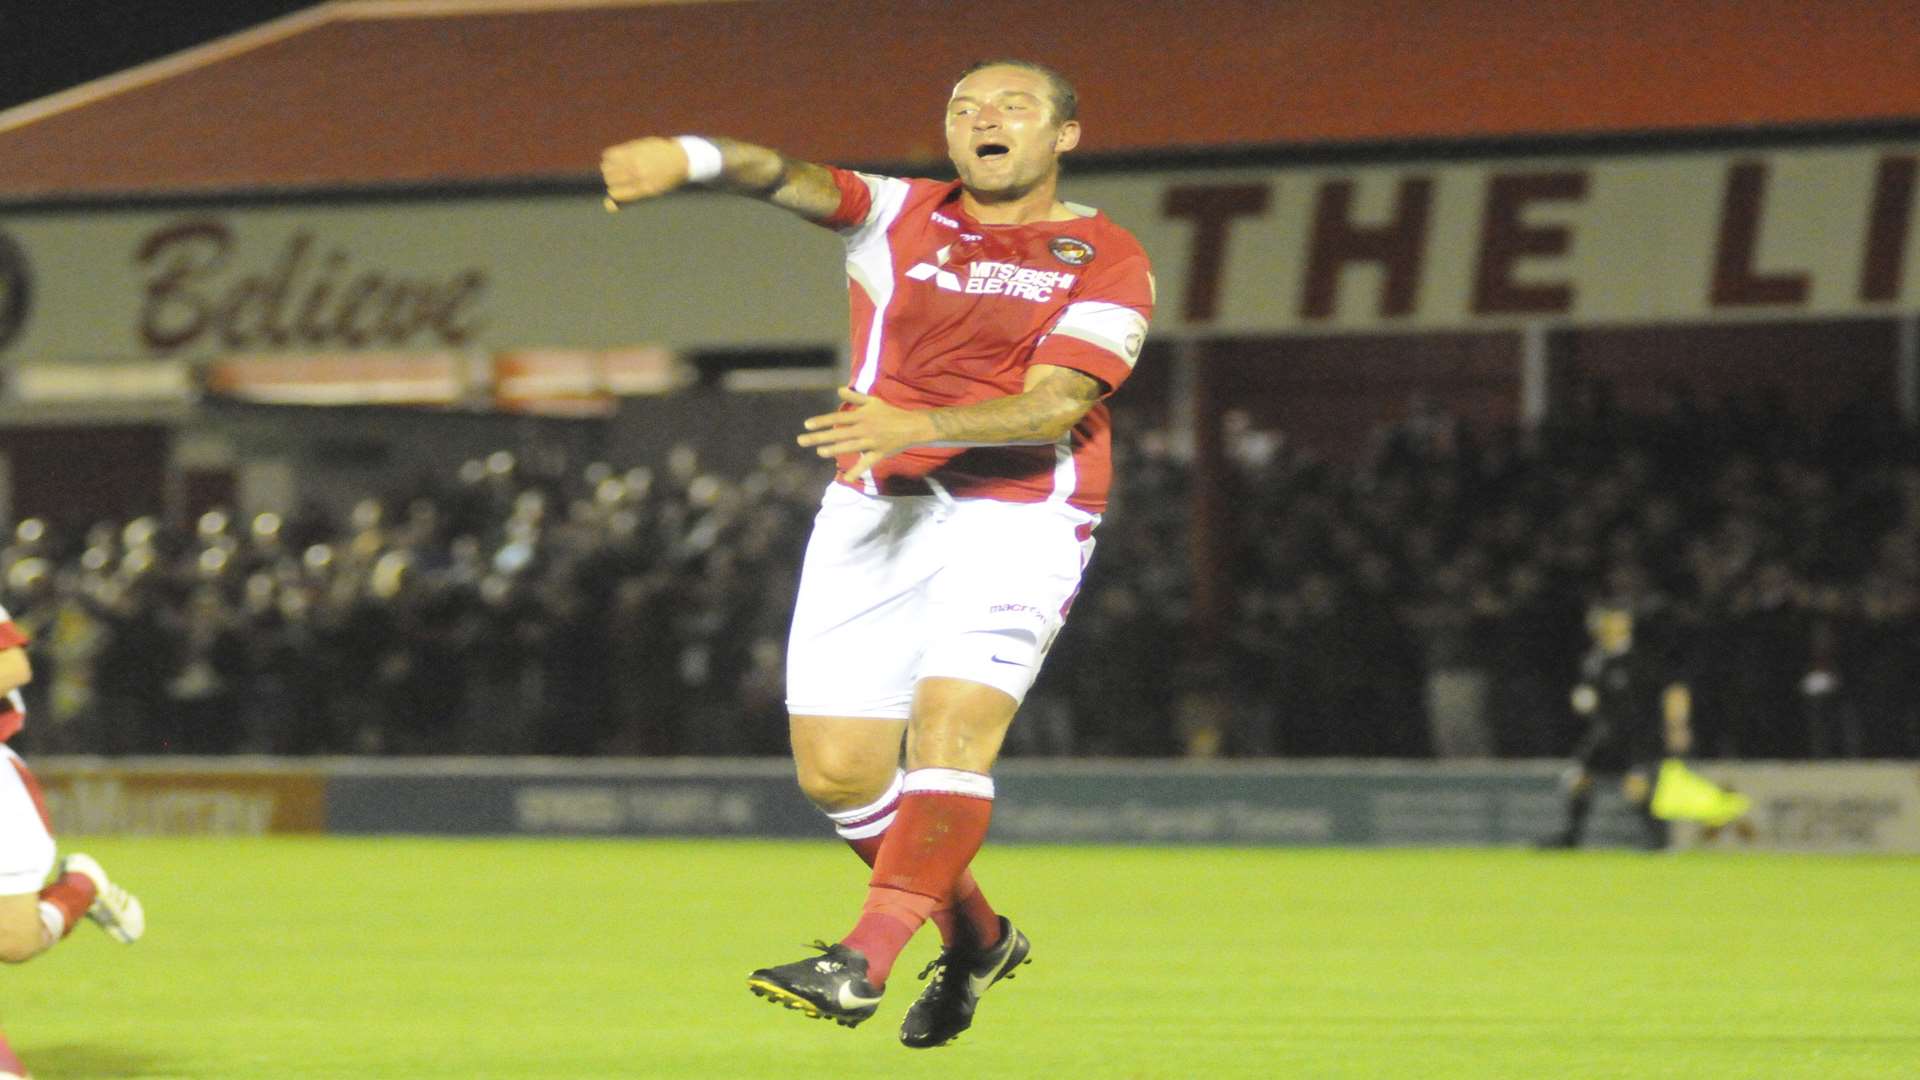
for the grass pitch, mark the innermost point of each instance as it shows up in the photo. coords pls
(405, 958)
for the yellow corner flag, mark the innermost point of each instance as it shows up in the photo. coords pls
(1680, 794)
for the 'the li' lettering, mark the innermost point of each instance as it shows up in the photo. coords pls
(1506, 238)
(1736, 283)
(1212, 209)
(1397, 245)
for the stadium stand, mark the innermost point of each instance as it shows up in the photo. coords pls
(586, 608)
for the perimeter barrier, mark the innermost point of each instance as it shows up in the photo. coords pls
(1846, 806)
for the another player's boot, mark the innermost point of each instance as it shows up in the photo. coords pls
(832, 986)
(957, 978)
(116, 910)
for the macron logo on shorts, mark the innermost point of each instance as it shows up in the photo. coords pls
(1019, 610)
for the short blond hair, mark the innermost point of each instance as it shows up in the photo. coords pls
(1066, 101)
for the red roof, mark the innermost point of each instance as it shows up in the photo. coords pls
(425, 91)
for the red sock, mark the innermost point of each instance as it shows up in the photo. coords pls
(72, 895)
(973, 919)
(967, 917)
(867, 847)
(887, 922)
(940, 826)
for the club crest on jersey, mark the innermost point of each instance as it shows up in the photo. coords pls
(1071, 251)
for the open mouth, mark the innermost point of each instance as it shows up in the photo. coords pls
(988, 151)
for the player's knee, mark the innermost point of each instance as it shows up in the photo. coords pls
(21, 938)
(833, 781)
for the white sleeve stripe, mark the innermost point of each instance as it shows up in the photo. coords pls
(1114, 327)
(1117, 348)
(1114, 320)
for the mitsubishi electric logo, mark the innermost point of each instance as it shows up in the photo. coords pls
(992, 278)
(946, 279)
(16, 290)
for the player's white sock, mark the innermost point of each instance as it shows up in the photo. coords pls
(53, 924)
(872, 819)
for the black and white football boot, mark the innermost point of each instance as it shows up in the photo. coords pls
(957, 978)
(831, 986)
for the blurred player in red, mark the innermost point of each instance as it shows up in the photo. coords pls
(990, 320)
(34, 915)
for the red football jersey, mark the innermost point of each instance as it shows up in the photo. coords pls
(947, 311)
(13, 711)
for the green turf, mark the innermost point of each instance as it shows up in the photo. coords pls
(466, 959)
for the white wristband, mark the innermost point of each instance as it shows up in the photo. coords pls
(703, 158)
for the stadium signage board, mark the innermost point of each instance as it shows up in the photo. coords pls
(1555, 240)
(1041, 802)
(1646, 238)
(1818, 806)
(197, 291)
(189, 798)
(1848, 806)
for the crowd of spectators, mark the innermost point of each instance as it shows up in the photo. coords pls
(1432, 600)
(1427, 600)
(638, 612)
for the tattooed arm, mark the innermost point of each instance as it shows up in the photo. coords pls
(1051, 402)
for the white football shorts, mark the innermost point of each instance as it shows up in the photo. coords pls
(26, 846)
(896, 589)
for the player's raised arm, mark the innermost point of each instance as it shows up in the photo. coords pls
(653, 166)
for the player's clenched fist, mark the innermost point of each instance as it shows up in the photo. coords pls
(643, 168)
